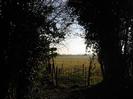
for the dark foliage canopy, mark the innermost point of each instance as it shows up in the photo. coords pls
(28, 27)
(108, 25)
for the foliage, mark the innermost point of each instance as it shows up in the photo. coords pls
(108, 27)
(28, 29)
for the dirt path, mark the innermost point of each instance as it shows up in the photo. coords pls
(61, 93)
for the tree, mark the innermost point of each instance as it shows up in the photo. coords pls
(102, 24)
(28, 28)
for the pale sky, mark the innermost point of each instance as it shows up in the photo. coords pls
(74, 45)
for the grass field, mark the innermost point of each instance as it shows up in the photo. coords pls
(69, 61)
(72, 75)
(75, 69)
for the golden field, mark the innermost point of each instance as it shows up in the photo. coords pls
(72, 61)
(78, 66)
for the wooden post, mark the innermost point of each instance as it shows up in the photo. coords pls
(83, 70)
(62, 71)
(90, 69)
(85, 76)
(56, 76)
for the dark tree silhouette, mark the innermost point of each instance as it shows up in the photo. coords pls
(26, 35)
(19, 28)
(102, 20)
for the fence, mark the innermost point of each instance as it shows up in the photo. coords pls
(76, 76)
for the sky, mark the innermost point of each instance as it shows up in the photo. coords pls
(74, 45)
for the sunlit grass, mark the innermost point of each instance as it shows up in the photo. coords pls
(76, 67)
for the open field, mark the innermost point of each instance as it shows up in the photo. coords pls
(72, 74)
(74, 69)
(69, 61)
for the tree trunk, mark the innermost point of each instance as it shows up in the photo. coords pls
(4, 68)
(111, 55)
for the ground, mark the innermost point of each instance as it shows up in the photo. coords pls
(72, 75)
